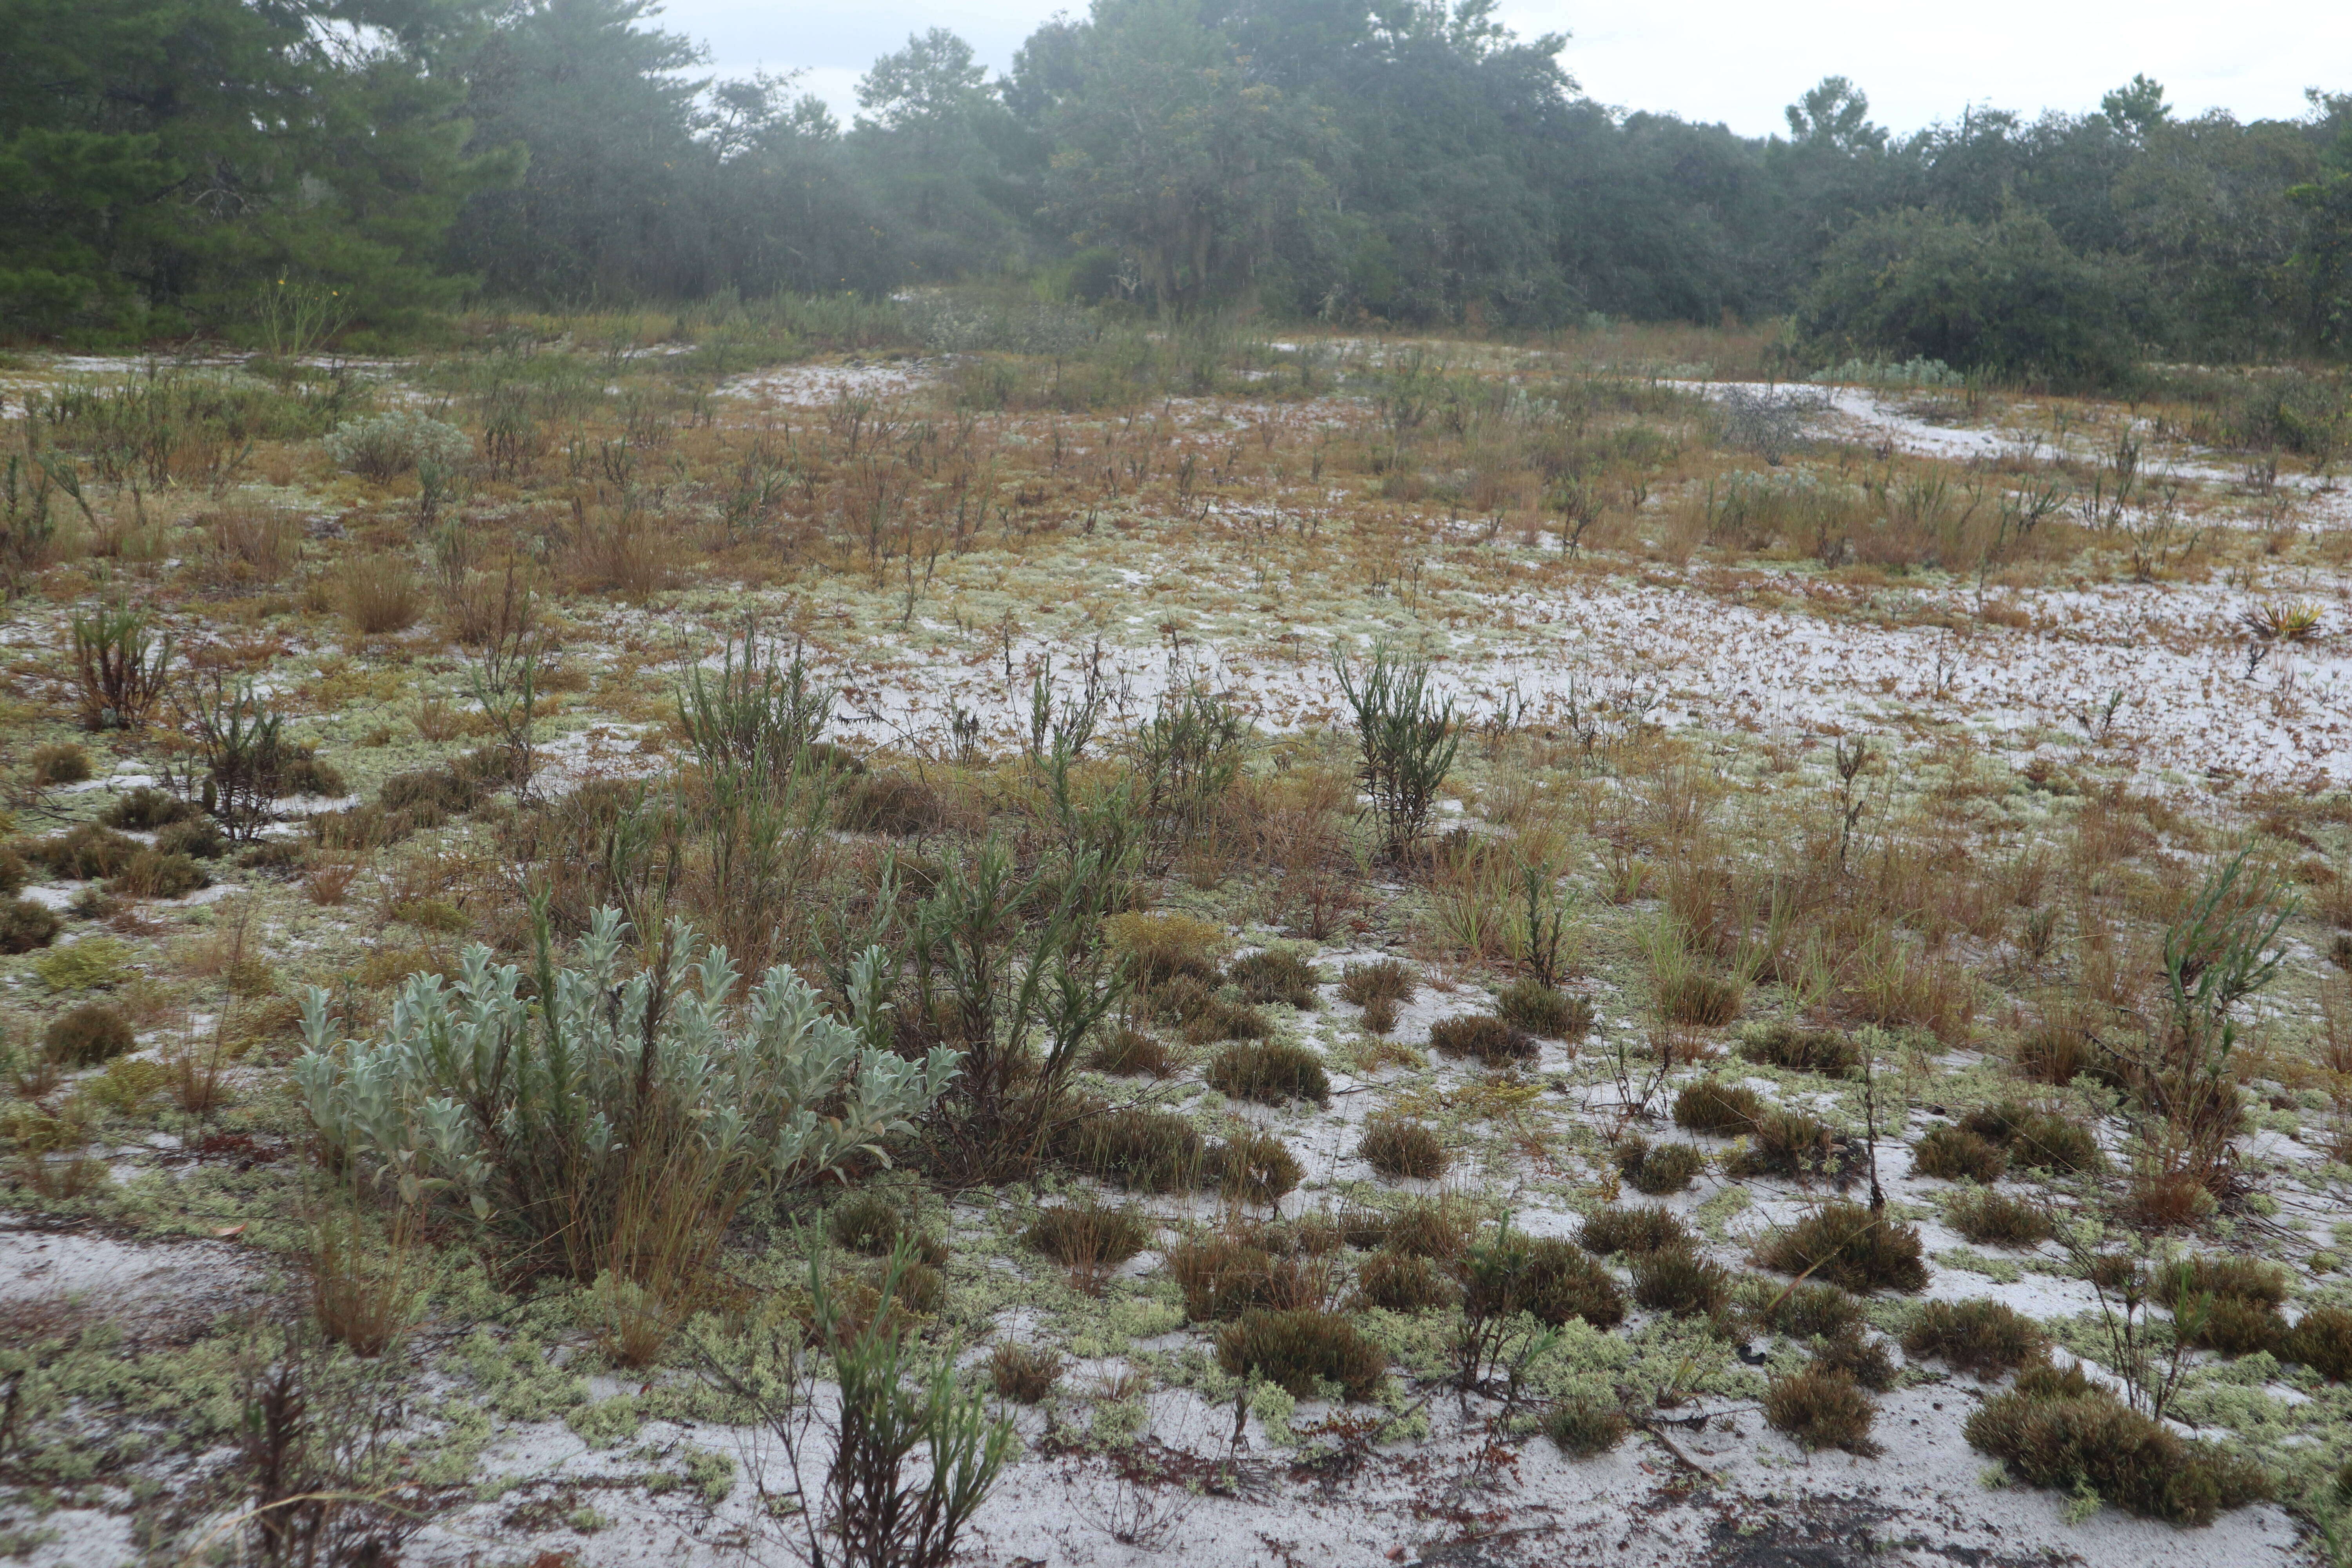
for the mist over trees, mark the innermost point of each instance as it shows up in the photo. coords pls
(165, 165)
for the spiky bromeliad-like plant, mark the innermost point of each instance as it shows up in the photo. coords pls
(617, 1119)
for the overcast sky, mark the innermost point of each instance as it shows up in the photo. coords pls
(1733, 60)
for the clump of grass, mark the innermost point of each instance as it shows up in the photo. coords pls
(1380, 979)
(1711, 1105)
(865, 1221)
(199, 837)
(1656, 1169)
(2037, 1139)
(155, 874)
(1441, 1229)
(1149, 1150)
(1024, 1374)
(1225, 1274)
(2322, 1340)
(57, 763)
(1219, 1019)
(1586, 1429)
(1791, 1143)
(1163, 947)
(85, 852)
(14, 872)
(1987, 1338)
(25, 925)
(2059, 1429)
(1132, 1053)
(1483, 1035)
(1847, 1245)
(1275, 975)
(2058, 1054)
(89, 1034)
(1674, 1280)
(1529, 1005)
(1821, 1407)
(1953, 1153)
(379, 594)
(2232, 1302)
(1399, 1147)
(144, 810)
(1695, 997)
(1404, 1284)
(1804, 1311)
(1252, 1167)
(1273, 1072)
(93, 963)
(1636, 1228)
(1783, 1045)
(1088, 1238)
(1299, 1351)
(1989, 1219)
(1546, 1277)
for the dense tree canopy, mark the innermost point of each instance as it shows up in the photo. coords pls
(168, 164)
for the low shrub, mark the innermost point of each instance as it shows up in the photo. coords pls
(1275, 975)
(379, 593)
(865, 1221)
(2059, 1429)
(1148, 1150)
(2232, 1302)
(1681, 1282)
(2233, 1278)
(1302, 1350)
(1483, 1035)
(153, 874)
(2235, 1327)
(1088, 1236)
(57, 763)
(144, 810)
(1441, 1229)
(85, 852)
(382, 447)
(1847, 1245)
(1792, 1144)
(89, 1034)
(1711, 1105)
(199, 837)
(1252, 1167)
(1164, 946)
(1636, 1228)
(1132, 1053)
(1404, 1284)
(1820, 1408)
(93, 963)
(2322, 1340)
(1953, 1153)
(1586, 1429)
(1783, 1045)
(1024, 1374)
(1529, 1005)
(1399, 1147)
(25, 925)
(1989, 1219)
(1550, 1278)
(2037, 1139)
(1221, 1277)
(1657, 1169)
(1380, 979)
(1986, 1338)
(1273, 1072)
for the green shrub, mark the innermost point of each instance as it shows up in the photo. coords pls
(1088, 1236)
(1149, 1151)
(1586, 1429)
(1439, 1228)
(1273, 1072)
(25, 925)
(1380, 979)
(86, 852)
(1804, 1311)
(1399, 1147)
(93, 963)
(2059, 1429)
(1483, 1035)
(1711, 1105)
(1990, 1218)
(1252, 1167)
(145, 809)
(1528, 1003)
(1024, 1374)
(2235, 1327)
(2233, 1278)
(1847, 1245)
(1783, 1045)
(1302, 1350)
(1380, 1015)
(1275, 975)
(153, 874)
(90, 1034)
(1656, 1169)
(1820, 1408)
(2322, 1340)
(1681, 1282)
(2058, 1054)
(2037, 1139)
(1544, 1276)
(383, 447)
(1636, 1228)
(1404, 1284)
(199, 837)
(1218, 1019)
(1981, 1337)
(1951, 1154)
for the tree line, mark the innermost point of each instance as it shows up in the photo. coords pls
(169, 166)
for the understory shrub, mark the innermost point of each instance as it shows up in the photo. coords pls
(1149, 1150)
(2322, 1340)
(1847, 1245)
(25, 925)
(1252, 1167)
(1546, 1277)
(1380, 979)
(1675, 1280)
(1302, 1350)
(1024, 1374)
(1793, 1143)
(1088, 1236)
(1131, 1053)
(2037, 1139)
(2059, 1429)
